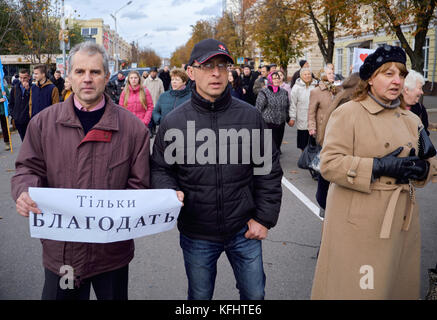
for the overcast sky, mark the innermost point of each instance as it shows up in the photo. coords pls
(166, 22)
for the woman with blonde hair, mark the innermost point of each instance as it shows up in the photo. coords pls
(67, 89)
(137, 99)
(372, 156)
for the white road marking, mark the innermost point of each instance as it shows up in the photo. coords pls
(307, 202)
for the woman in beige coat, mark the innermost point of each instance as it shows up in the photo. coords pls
(320, 100)
(371, 238)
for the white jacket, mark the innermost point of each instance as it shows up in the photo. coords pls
(299, 102)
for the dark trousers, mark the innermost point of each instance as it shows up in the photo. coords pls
(152, 127)
(4, 128)
(277, 134)
(322, 191)
(21, 127)
(110, 285)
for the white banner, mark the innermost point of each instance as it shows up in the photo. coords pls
(102, 216)
(360, 54)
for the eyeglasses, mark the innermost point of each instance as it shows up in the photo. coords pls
(210, 66)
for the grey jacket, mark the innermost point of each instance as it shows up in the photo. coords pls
(273, 106)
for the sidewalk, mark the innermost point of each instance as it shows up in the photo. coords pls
(430, 102)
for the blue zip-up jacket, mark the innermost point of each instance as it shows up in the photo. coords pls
(168, 101)
(42, 96)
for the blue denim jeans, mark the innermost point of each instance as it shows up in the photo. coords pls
(245, 256)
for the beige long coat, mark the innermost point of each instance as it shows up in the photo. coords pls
(371, 238)
(320, 101)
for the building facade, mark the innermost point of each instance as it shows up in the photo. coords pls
(92, 30)
(97, 31)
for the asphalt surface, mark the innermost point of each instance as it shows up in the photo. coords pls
(157, 271)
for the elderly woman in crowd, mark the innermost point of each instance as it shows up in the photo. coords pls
(273, 103)
(284, 85)
(412, 93)
(178, 94)
(299, 104)
(370, 245)
(320, 101)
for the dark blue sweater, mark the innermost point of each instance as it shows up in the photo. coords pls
(42, 96)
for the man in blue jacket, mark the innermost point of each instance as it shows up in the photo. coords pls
(229, 203)
(42, 94)
(19, 102)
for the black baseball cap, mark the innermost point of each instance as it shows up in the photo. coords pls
(207, 49)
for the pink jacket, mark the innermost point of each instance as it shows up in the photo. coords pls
(134, 104)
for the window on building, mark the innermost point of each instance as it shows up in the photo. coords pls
(339, 63)
(426, 58)
(89, 31)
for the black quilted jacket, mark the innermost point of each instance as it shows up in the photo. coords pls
(219, 197)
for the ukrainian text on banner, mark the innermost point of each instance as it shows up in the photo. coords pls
(102, 216)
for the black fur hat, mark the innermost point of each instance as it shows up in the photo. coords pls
(382, 55)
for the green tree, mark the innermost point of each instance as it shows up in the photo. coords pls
(280, 34)
(203, 29)
(226, 32)
(393, 15)
(40, 30)
(148, 58)
(9, 27)
(328, 18)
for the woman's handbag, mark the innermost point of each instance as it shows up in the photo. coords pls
(426, 148)
(309, 153)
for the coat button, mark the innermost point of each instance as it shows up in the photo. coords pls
(387, 145)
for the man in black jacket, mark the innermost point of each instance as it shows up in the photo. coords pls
(209, 150)
(247, 82)
(164, 75)
(58, 81)
(19, 102)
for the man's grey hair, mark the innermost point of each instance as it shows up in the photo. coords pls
(91, 48)
(412, 78)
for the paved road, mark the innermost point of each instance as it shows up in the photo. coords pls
(157, 271)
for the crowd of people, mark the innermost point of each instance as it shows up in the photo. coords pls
(368, 126)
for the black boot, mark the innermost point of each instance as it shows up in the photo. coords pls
(432, 290)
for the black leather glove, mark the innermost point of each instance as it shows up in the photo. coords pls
(422, 167)
(400, 168)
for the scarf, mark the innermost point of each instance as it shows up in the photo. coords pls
(331, 87)
(394, 104)
(270, 83)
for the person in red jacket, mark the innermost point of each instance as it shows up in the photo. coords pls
(137, 99)
(85, 142)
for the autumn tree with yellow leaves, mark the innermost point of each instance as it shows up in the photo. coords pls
(402, 17)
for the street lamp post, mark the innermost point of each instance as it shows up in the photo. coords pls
(114, 16)
(63, 43)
